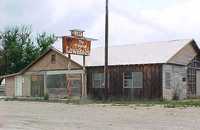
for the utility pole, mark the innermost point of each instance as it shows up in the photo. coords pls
(106, 52)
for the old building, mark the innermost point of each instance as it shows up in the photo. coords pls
(146, 71)
(49, 74)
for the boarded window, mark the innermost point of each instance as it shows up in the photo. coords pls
(167, 80)
(98, 80)
(53, 58)
(133, 80)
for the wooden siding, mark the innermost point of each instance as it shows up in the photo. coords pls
(185, 55)
(152, 82)
(45, 63)
(10, 86)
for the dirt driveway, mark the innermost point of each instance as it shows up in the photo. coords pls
(55, 116)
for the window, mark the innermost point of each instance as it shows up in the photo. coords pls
(167, 80)
(128, 80)
(137, 79)
(98, 80)
(133, 80)
(53, 58)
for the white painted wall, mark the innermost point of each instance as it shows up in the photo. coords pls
(18, 86)
(178, 86)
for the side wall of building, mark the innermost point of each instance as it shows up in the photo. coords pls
(174, 82)
(152, 82)
(10, 86)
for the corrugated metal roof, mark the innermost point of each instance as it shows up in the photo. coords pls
(145, 53)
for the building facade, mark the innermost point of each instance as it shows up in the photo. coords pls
(167, 70)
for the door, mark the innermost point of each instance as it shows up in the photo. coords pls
(198, 83)
(180, 86)
(18, 86)
(37, 85)
(74, 85)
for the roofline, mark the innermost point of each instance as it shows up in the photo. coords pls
(9, 75)
(126, 65)
(37, 59)
(192, 41)
(51, 48)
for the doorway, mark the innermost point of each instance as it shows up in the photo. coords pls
(18, 86)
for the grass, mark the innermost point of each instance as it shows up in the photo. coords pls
(150, 103)
(122, 102)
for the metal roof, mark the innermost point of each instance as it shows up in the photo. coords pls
(146, 53)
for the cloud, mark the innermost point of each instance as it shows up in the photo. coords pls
(132, 21)
(178, 21)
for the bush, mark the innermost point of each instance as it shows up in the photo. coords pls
(46, 97)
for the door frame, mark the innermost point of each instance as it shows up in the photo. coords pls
(18, 86)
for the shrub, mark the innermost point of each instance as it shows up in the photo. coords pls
(46, 97)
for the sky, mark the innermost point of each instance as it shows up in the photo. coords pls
(130, 21)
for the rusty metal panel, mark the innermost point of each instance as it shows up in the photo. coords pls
(76, 46)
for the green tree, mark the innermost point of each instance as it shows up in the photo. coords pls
(44, 41)
(19, 49)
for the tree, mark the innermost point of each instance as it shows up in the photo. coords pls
(19, 49)
(44, 41)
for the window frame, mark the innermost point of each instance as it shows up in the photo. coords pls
(133, 80)
(53, 58)
(101, 80)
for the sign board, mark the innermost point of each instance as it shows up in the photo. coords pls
(76, 46)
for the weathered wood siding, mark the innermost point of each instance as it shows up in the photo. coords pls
(184, 56)
(152, 82)
(44, 63)
(10, 87)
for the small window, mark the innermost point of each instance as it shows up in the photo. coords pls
(167, 80)
(98, 80)
(53, 58)
(133, 80)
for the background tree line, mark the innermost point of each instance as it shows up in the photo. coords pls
(19, 47)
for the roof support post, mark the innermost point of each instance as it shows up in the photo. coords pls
(84, 79)
(45, 84)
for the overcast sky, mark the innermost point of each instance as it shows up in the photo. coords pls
(131, 21)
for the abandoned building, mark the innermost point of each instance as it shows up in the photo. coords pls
(162, 70)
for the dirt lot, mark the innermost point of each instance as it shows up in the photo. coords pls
(55, 116)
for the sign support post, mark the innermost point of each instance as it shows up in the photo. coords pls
(84, 83)
(77, 44)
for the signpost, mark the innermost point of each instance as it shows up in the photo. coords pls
(77, 44)
(73, 45)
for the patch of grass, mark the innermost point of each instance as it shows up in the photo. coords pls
(118, 102)
(150, 103)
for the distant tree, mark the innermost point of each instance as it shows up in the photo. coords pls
(44, 41)
(18, 48)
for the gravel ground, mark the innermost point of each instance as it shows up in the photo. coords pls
(55, 116)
